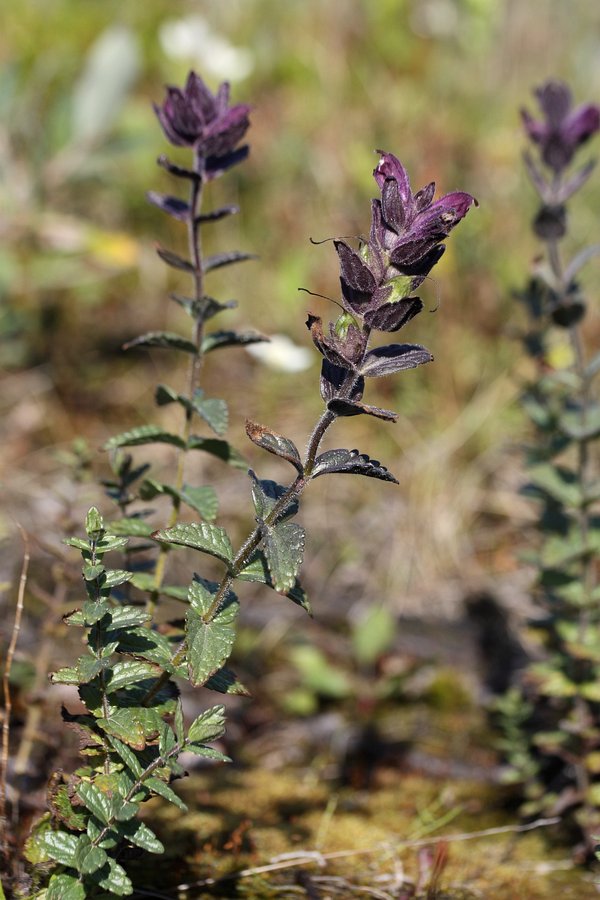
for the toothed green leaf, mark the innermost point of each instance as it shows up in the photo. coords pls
(208, 643)
(284, 550)
(143, 434)
(166, 340)
(211, 539)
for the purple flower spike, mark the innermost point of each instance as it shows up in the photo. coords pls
(193, 117)
(564, 128)
(410, 227)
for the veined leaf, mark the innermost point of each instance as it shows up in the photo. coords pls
(143, 434)
(134, 726)
(88, 858)
(208, 643)
(350, 462)
(214, 411)
(258, 571)
(128, 616)
(202, 499)
(98, 803)
(58, 845)
(129, 672)
(116, 881)
(66, 675)
(394, 358)
(217, 339)
(211, 539)
(226, 682)
(266, 493)
(132, 527)
(139, 834)
(127, 755)
(225, 259)
(64, 887)
(174, 206)
(209, 726)
(284, 549)
(165, 340)
(163, 790)
(221, 449)
(115, 577)
(274, 443)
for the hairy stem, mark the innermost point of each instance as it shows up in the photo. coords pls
(195, 251)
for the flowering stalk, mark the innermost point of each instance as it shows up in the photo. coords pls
(132, 730)
(562, 691)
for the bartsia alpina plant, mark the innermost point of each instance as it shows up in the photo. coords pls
(130, 719)
(552, 721)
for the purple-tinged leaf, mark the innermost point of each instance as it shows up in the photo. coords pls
(274, 443)
(537, 179)
(216, 214)
(424, 197)
(217, 339)
(394, 358)
(390, 167)
(570, 185)
(393, 316)
(354, 270)
(176, 262)
(333, 378)
(257, 570)
(225, 259)
(165, 340)
(174, 206)
(352, 408)
(391, 205)
(211, 539)
(215, 166)
(284, 549)
(351, 462)
(178, 171)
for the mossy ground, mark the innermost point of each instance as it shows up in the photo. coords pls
(241, 820)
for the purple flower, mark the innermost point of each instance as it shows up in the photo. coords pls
(405, 243)
(563, 128)
(194, 117)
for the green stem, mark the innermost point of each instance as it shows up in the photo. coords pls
(195, 251)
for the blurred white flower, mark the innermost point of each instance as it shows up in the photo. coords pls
(281, 354)
(192, 39)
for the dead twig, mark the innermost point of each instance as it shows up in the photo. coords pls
(289, 860)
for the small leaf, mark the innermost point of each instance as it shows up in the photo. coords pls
(165, 340)
(98, 803)
(557, 481)
(127, 755)
(226, 682)
(392, 358)
(134, 726)
(139, 834)
(257, 570)
(132, 527)
(176, 262)
(354, 408)
(214, 411)
(225, 259)
(284, 550)
(215, 214)
(58, 845)
(88, 858)
(128, 616)
(116, 881)
(143, 434)
(581, 425)
(209, 726)
(115, 577)
(174, 206)
(211, 539)
(217, 339)
(208, 643)
(266, 494)
(163, 790)
(221, 449)
(66, 675)
(94, 526)
(350, 462)
(64, 887)
(274, 443)
(129, 672)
